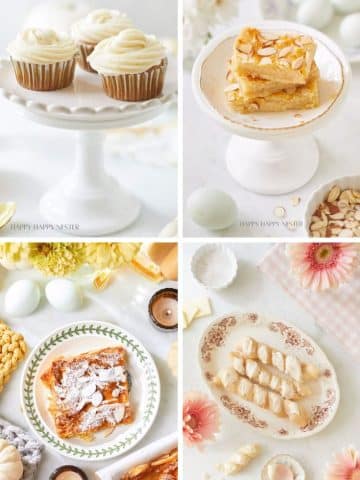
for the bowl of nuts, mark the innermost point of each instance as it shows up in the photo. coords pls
(334, 209)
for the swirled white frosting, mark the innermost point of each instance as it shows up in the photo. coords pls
(42, 46)
(131, 51)
(98, 25)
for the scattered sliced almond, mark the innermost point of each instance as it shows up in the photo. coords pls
(295, 201)
(338, 215)
(279, 212)
(266, 52)
(334, 194)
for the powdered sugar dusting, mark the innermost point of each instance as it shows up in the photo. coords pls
(82, 382)
(95, 417)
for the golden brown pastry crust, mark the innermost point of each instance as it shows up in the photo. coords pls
(82, 421)
(162, 468)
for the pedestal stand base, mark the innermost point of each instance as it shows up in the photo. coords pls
(89, 201)
(272, 167)
(107, 212)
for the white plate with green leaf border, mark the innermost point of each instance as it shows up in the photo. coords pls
(73, 340)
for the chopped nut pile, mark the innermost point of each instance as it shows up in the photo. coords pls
(338, 215)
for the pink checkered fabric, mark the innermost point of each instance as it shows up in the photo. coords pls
(336, 310)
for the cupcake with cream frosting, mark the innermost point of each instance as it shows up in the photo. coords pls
(95, 27)
(132, 65)
(43, 60)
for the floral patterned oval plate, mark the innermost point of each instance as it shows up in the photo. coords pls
(221, 338)
(73, 340)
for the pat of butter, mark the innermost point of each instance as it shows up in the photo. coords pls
(194, 309)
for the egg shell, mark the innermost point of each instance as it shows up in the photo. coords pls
(350, 30)
(316, 13)
(346, 6)
(212, 209)
(22, 298)
(63, 295)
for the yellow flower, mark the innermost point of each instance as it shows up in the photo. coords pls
(57, 259)
(110, 255)
(14, 255)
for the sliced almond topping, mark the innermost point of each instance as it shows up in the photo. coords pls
(283, 62)
(270, 36)
(267, 51)
(357, 215)
(296, 64)
(245, 48)
(268, 43)
(265, 61)
(284, 51)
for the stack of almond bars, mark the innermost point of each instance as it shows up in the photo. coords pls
(272, 73)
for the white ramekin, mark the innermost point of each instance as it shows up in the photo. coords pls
(319, 195)
(228, 266)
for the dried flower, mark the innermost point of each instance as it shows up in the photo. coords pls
(57, 259)
(320, 266)
(201, 419)
(346, 466)
(112, 256)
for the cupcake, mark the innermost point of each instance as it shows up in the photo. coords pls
(132, 65)
(95, 27)
(43, 60)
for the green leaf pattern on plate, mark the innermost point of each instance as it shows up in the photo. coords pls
(129, 439)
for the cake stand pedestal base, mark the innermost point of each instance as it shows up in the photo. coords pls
(89, 201)
(272, 167)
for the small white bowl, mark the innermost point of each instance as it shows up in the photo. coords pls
(214, 266)
(319, 195)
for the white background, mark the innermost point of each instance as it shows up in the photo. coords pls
(253, 291)
(33, 158)
(204, 160)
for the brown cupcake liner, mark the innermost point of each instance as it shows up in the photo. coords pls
(44, 78)
(138, 86)
(85, 50)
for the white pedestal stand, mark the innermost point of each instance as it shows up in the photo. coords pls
(89, 201)
(270, 153)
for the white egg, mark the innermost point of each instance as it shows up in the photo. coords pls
(350, 30)
(346, 6)
(212, 209)
(63, 295)
(22, 298)
(316, 13)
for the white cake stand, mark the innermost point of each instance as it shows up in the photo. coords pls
(271, 153)
(89, 201)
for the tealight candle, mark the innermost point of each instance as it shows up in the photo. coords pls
(68, 472)
(163, 309)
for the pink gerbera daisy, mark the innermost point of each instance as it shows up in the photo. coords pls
(201, 419)
(346, 466)
(320, 266)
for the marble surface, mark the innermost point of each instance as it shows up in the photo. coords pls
(123, 303)
(204, 162)
(253, 291)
